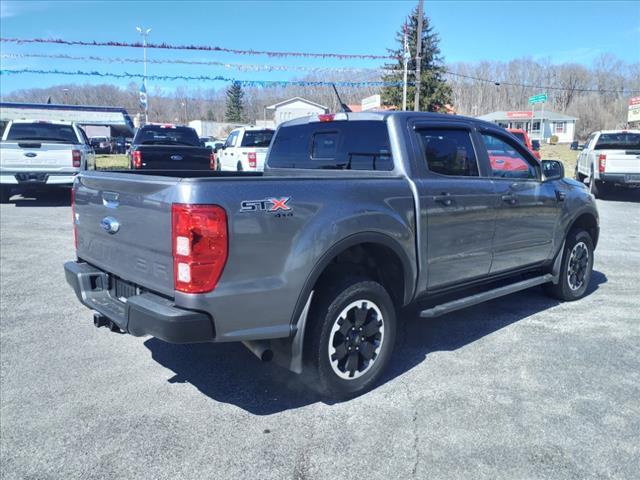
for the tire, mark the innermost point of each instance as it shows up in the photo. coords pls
(575, 270)
(339, 307)
(598, 188)
(5, 194)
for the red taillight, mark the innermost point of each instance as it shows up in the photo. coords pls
(212, 161)
(76, 156)
(73, 218)
(602, 162)
(137, 159)
(199, 236)
(326, 117)
(252, 159)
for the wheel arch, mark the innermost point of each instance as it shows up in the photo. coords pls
(382, 249)
(589, 222)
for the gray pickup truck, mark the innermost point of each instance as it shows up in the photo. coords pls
(356, 216)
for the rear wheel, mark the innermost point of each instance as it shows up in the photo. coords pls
(576, 267)
(351, 336)
(599, 188)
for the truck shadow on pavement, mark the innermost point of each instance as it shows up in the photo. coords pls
(60, 198)
(229, 373)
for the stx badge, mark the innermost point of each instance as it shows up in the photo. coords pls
(266, 205)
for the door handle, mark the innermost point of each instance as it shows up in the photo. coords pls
(510, 199)
(445, 199)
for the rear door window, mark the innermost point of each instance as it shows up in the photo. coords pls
(449, 151)
(342, 144)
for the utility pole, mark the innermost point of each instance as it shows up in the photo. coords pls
(405, 56)
(416, 103)
(145, 34)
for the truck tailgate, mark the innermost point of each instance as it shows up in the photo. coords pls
(138, 248)
(31, 155)
(621, 161)
(173, 157)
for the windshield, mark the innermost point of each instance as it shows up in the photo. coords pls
(257, 138)
(618, 141)
(43, 132)
(167, 136)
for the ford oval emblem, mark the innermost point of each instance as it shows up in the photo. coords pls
(30, 154)
(110, 225)
(177, 158)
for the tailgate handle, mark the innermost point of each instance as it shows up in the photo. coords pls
(110, 199)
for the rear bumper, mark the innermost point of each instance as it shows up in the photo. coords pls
(37, 179)
(621, 178)
(142, 314)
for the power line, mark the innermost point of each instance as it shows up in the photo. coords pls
(541, 87)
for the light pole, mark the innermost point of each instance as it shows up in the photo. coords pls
(145, 34)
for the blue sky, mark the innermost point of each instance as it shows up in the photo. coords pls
(469, 31)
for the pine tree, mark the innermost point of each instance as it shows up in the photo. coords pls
(434, 91)
(235, 105)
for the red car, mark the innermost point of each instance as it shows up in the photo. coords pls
(524, 138)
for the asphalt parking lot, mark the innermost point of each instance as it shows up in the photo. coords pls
(521, 387)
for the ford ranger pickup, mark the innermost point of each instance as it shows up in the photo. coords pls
(355, 216)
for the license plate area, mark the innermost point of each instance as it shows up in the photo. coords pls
(31, 177)
(632, 178)
(121, 289)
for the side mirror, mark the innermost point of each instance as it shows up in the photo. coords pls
(535, 144)
(552, 170)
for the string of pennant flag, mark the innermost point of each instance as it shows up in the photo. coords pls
(244, 83)
(237, 66)
(207, 48)
(246, 67)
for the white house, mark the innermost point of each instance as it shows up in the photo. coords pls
(294, 108)
(563, 126)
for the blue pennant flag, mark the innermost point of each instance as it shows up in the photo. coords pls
(143, 97)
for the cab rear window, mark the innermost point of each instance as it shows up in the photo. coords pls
(343, 144)
(43, 132)
(618, 141)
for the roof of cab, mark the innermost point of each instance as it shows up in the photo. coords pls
(383, 115)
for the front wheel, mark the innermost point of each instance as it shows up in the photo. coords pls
(351, 336)
(576, 267)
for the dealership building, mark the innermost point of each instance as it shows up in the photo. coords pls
(545, 124)
(99, 121)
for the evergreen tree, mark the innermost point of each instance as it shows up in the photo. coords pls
(235, 104)
(434, 91)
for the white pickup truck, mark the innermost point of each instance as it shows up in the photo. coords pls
(610, 158)
(245, 150)
(35, 155)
